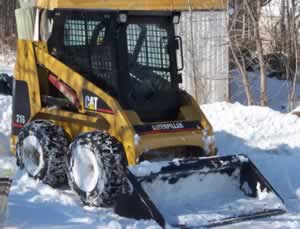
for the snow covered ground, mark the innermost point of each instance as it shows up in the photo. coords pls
(270, 138)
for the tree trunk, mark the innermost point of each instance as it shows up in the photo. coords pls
(294, 39)
(255, 16)
(243, 73)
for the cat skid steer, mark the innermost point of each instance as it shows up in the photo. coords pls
(97, 105)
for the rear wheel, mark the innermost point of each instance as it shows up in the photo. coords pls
(41, 151)
(96, 168)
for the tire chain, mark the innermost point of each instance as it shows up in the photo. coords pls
(109, 153)
(55, 146)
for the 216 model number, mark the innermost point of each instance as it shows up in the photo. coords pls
(20, 119)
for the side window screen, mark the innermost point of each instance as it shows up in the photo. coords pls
(87, 47)
(74, 33)
(96, 32)
(148, 51)
(78, 32)
(148, 45)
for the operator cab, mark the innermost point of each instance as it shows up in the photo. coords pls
(131, 56)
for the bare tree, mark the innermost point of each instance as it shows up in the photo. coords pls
(255, 17)
(294, 50)
(238, 31)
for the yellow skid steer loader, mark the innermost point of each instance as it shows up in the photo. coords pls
(97, 104)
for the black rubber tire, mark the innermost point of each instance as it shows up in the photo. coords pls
(54, 146)
(6, 84)
(109, 154)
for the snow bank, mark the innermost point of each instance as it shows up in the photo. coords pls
(271, 140)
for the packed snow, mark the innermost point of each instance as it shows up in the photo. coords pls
(269, 138)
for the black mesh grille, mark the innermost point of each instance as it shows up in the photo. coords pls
(87, 47)
(147, 47)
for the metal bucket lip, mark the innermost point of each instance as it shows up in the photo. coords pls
(202, 165)
(236, 219)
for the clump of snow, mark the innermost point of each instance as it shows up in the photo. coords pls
(208, 140)
(137, 139)
(146, 168)
(243, 158)
(176, 161)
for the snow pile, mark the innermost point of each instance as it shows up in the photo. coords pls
(249, 129)
(7, 59)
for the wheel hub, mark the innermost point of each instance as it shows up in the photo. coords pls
(85, 169)
(33, 155)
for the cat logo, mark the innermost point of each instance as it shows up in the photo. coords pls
(91, 102)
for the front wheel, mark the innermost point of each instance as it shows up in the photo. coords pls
(96, 169)
(41, 151)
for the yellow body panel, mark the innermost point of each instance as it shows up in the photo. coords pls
(26, 70)
(120, 124)
(138, 5)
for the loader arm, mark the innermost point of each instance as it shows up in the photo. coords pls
(119, 125)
